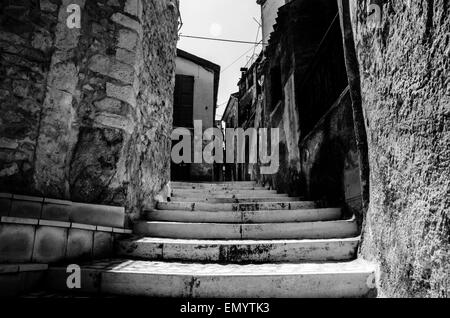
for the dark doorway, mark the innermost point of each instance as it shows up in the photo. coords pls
(183, 110)
(183, 114)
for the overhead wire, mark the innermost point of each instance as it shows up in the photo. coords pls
(217, 39)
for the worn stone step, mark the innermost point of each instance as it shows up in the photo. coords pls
(281, 216)
(191, 280)
(238, 199)
(262, 251)
(214, 193)
(206, 184)
(220, 188)
(204, 206)
(260, 231)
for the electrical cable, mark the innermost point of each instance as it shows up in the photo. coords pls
(235, 61)
(218, 39)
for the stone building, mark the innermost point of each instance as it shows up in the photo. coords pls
(358, 88)
(86, 112)
(195, 99)
(269, 12)
(361, 99)
(230, 119)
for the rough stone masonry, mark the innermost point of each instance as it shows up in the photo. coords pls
(86, 113)
(405, 74)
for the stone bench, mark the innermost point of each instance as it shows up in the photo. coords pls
(57, 210)
(45, 241)
(18, 278)
(40, 230)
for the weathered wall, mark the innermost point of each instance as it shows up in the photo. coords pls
(203, 90)
(26, 44)
(330, 169)
(95, 120)
(405, 68)
(269, 12)
(312, 78)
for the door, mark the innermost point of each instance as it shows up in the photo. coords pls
(183, 116)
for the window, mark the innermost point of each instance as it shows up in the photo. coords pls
(183, 110)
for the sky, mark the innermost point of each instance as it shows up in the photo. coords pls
(227, 19)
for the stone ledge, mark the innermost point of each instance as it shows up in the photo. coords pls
(67, 225)
(22, 268)
(48, 242)
(37, 208)
(54, 223)
(23, 221)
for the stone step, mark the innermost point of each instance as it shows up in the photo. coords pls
(212, 207)
(281, 216)
(269, 231)
(220, 188)
(206, 184)
(190, 280)
(214, 193)
(263, 251)
(238, 199)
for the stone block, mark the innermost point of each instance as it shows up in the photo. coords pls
(16, 284)
(127, 22)
(32, 267)
(134, 7)
(22, 221)
(105, 229)
(100, 64)
(5, 206)
(50, 244)
(26, 207)
(110, 67)
(79, 244)
(103, 245)
(101, 215)
(16, 243)
(123, 93)
(8, 143)
(125, 56)
(110, 105)
(9, 170)
(10, 284)
(30, 280)
(9, 268)
(127, 40)
(56, 211)
(48, 6)
(122, 72)
(84, 227)
(54, 223)
(114, 121)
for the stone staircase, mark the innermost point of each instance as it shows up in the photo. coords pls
(233, 240)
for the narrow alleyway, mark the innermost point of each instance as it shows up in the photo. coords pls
(233, 240)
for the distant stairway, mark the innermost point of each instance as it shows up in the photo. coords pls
(235, 240)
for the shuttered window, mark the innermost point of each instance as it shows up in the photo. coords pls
(183, 112)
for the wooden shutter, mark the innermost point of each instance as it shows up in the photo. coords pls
(183, 112)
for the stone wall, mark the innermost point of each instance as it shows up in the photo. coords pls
(405, 68)
(95, 104)
(329, 166)
(306, 49)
